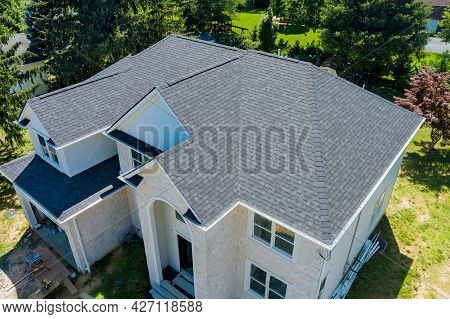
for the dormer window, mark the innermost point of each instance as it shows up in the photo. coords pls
(138, 159)
(47, 150)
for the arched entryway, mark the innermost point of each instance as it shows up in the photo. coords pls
(172, 251)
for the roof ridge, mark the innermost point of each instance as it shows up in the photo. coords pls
(201, 71)
(73, 86)
(279, 57)
(227, 47)
(321, 185)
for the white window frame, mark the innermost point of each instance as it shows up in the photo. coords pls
(378, 209)
(271, 246)
(48, 151)
(269, 274)
(144, 159)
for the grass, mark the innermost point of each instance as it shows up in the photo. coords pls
(122, 274)
(416, 262)
(12, 228)
(249, 18)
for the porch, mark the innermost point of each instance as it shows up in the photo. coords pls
(175, 285)
(58, 240)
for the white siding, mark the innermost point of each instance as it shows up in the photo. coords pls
(156, 124)
(86, 153)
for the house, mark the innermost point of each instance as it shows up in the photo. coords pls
(438, 7)
(246, 174)
(39, 79)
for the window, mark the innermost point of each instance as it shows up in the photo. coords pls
(179, 217)
(53, 154)
(266, 285)
(138, 159)
(322, 287)
(47, 150)
(43, 145)
(274, 235)
(378, 209)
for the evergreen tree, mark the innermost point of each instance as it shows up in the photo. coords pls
(368, 38)
(11, 74)
(80, 38)
(200, 14)
(267, 32)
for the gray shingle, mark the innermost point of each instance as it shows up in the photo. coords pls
(348, 138)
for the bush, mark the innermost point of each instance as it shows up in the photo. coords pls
(312, 52)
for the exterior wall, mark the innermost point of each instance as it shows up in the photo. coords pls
(155, 123)
(345, 250)
(229, 247)
(155, 186)
(87, 153)
(103, 226)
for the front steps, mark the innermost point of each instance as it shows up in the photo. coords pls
(182, 287)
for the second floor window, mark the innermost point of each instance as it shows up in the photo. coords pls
(138, 159)
(48, 150)
(274, 235)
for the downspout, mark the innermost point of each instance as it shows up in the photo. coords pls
(353, 238)
(88, 268)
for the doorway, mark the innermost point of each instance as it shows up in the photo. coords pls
(185, 253)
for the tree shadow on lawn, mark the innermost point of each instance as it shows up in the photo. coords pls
(291, 29)
(384, 275)
(429, 167)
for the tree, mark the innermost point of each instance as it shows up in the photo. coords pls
(80, 38)
(278, 7)
(304, 12)
(267, 32)
(312, 52)
(200, 14)
(296, 12)
(429, 96)
(445, 26)
(366, 38)
(11, 74)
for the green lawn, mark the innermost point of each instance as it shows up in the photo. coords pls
(252, 17)
(122, 274)
(416, 263)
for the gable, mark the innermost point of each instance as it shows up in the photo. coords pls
(153, 122)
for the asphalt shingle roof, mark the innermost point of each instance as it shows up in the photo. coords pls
(329, 143)
(87, 107)
(63, 196)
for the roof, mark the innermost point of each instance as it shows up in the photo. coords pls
(135, 143)
(345, 138)
(61, 195)
(330, 141)
(110, 94)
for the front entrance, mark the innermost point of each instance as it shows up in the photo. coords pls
(185, 253)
